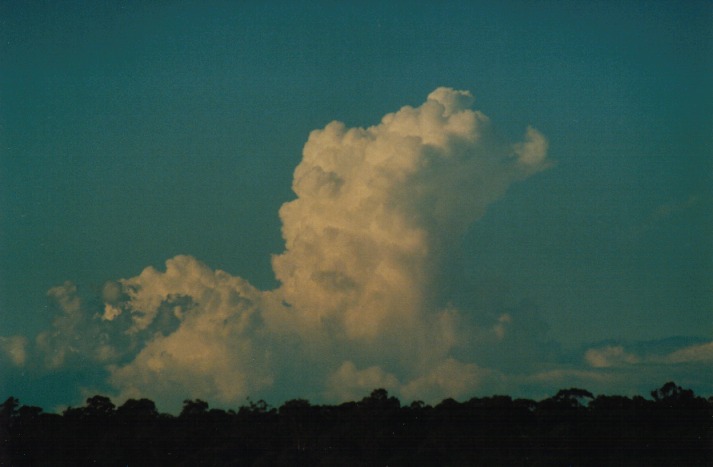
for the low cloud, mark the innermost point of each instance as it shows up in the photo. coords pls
(610, 356)
(694, 353)
(653, 353)
(449, 378)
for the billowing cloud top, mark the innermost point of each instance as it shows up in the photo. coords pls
(377, 206)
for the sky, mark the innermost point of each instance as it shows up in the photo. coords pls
(223, 200)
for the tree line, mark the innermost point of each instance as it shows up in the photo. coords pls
(673, 427)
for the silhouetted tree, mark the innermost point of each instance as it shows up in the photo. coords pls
(193, 408)
(570, 428)
(137, 410)
(671, 392)
(677, 414)
(7, 409)
(99, 406)
(574, 397)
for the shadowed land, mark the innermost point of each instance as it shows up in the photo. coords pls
(673, 427)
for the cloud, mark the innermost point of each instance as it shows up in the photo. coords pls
(379, 208)
(512, 339)
(203, 334)
(672, 212)
(450, 378)
(633, 367)
(377, 215)
(652, 353)
(14, 349)
(693, 353)
(65, 338)
(533, 151)
(611, 355)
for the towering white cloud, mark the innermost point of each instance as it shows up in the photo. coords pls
(378, 207)
(377, 212)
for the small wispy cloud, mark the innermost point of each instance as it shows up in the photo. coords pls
(671, 208)
(667, 212)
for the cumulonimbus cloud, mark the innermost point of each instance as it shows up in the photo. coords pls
(377, 212)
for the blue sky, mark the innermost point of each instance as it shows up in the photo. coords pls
(132, 133)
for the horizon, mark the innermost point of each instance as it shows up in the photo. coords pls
(668, 389)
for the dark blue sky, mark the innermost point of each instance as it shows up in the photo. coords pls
(132, 132)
